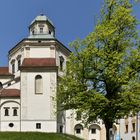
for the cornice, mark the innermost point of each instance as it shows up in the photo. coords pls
(27, 41)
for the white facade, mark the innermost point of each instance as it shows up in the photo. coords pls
(28, 85)
(11, 104)
(94, 131)
(130, 128)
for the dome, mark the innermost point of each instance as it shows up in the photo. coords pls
(42, 17)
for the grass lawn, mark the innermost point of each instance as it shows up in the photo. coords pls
(35, 136)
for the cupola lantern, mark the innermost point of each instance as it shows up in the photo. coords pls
(41, 27)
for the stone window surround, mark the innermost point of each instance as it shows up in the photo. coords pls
(38, 84)
(6, 111)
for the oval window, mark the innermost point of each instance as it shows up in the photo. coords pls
(11, 124)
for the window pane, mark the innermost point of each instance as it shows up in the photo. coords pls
(41, 30)
(19, 64)
(78, 130)
(13, 68)
(61, 62)
(38, 125)
(133, 127)
(126, 128)
(6, 112)
(15, 112)
(93, 131)
(61, 129)
(1, 86)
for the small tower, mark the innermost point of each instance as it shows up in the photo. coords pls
(36, 62)
(38, 76)
(41, 27)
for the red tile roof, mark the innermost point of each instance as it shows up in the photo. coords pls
(4, 71)
(10, 93)
(39, 62)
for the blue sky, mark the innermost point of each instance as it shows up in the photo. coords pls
(72, 19)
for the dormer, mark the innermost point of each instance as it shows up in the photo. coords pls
(41, 27)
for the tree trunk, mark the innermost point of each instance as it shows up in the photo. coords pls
(108, 125)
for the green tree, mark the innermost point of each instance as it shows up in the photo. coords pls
(102, 78)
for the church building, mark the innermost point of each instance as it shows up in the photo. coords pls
(28, 84)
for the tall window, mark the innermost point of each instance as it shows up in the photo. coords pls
(61, 62)
(133, 127)
(1, 86)
(61, 129)
(13, 65)
(126, 128)
(38, 84)
(13, 68)
(50, 32)
(15, 112)
(19, 62)
(6, 113)
(33, 32)
(41, 30)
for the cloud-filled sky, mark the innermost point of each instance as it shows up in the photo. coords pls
(72, 19)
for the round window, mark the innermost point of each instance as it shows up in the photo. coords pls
(11, 124)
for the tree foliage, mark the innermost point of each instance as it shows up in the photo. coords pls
(102, 78)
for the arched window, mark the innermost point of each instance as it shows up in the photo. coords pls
(6, 112)
(13, 68)
(18, 62)
(50, 32)
(38, 84)
(61, 58)
(41, 28)
(33, 32)
(133, 127)
(15, 112)
(94, 128)
(13, 65)
(78, 128)
(1, 86)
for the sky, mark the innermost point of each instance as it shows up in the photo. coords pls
(72, 19)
